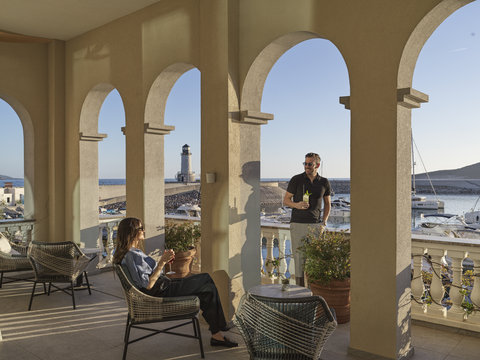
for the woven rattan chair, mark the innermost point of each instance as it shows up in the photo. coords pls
(145, 309)
(14, 263)
(284, 328)
(60, 262)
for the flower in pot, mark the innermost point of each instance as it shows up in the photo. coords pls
(182, 238)
(327, 266)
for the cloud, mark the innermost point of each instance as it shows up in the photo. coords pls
(458, 50)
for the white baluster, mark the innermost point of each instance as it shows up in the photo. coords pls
(291, 266)
(109, 243)
(262, 262)
(101, 262)
(269, 259)
(283, 261)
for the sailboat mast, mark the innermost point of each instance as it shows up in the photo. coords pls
(413, 164)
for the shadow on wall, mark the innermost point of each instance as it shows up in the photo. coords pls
(250, 255)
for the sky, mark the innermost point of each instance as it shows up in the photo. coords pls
(302, 91)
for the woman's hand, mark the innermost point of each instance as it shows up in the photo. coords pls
(167, 256)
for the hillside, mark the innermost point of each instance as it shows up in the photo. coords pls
(467, 172)
(5, 177)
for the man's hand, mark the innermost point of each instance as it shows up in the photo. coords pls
(321, 229)
(302, 205)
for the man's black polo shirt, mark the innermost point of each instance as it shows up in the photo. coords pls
(319, 188)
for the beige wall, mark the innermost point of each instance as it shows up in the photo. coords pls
(234, 44)
(24, 85)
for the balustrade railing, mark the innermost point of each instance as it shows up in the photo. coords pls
(105, 241)
(445, 283)
(275, 254)
(18, 230)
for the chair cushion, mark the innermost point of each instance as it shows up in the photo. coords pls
(5, 246)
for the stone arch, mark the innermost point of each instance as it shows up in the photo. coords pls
(160, 90)
(28, 154)
(88, 162)
(420, 35)
(252, 90)
(154, 180)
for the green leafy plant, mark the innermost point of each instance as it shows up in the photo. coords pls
(275, 262)
(327, 255)
(181, 237)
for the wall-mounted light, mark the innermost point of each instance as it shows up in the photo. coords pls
(210, 178)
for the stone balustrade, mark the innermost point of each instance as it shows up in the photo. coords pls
(445, 290)
(445, 283)
(18, 230)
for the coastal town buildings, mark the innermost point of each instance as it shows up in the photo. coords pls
(60, 59)
(11, 195)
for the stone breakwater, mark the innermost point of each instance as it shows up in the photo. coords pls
(446, 187)
(272, 193)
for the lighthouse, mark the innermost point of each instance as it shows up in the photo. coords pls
(186, 174)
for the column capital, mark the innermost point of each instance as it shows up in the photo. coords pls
(254, 117)
(92, 137)
(345, 101)
(152, 129)
(411, 98)
(158, 129)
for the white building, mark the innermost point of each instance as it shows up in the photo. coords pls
(10, 195)
(186, 174)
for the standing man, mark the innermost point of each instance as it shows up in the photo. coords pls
(304, 195)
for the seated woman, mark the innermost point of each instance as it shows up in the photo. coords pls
(147, 275)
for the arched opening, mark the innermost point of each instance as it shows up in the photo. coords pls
(89, 188)
(183, 112)
(178, 92)
(445, 130)
(111, 156)
(440, 59)
(299, 78)
(17, 162)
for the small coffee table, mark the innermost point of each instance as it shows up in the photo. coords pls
(274, 291)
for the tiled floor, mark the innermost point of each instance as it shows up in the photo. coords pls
(53, 330)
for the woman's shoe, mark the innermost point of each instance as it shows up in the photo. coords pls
(226, 343)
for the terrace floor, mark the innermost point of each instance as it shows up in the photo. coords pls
(53, 330)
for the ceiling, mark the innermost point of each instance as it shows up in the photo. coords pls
(60, 19)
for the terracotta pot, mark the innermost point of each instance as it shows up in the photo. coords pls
(337, 296)
(182, 265)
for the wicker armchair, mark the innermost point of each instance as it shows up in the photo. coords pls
(14, 263)
(284, 328)
(145, 309)
(60, 262)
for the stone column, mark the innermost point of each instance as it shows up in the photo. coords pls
(89, 188)
(154, 186)
(381, 246)
(56, 143)
(230, 169)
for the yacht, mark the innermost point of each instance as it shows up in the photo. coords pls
(190, 211)
(472, 218)
(421, 202)
(448, 225)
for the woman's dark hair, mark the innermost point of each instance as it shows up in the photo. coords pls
(126, 233)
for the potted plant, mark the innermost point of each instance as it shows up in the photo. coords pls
(327, 267)
(182, 238)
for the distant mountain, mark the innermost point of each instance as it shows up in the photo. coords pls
(5, 177)
(467, 172)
